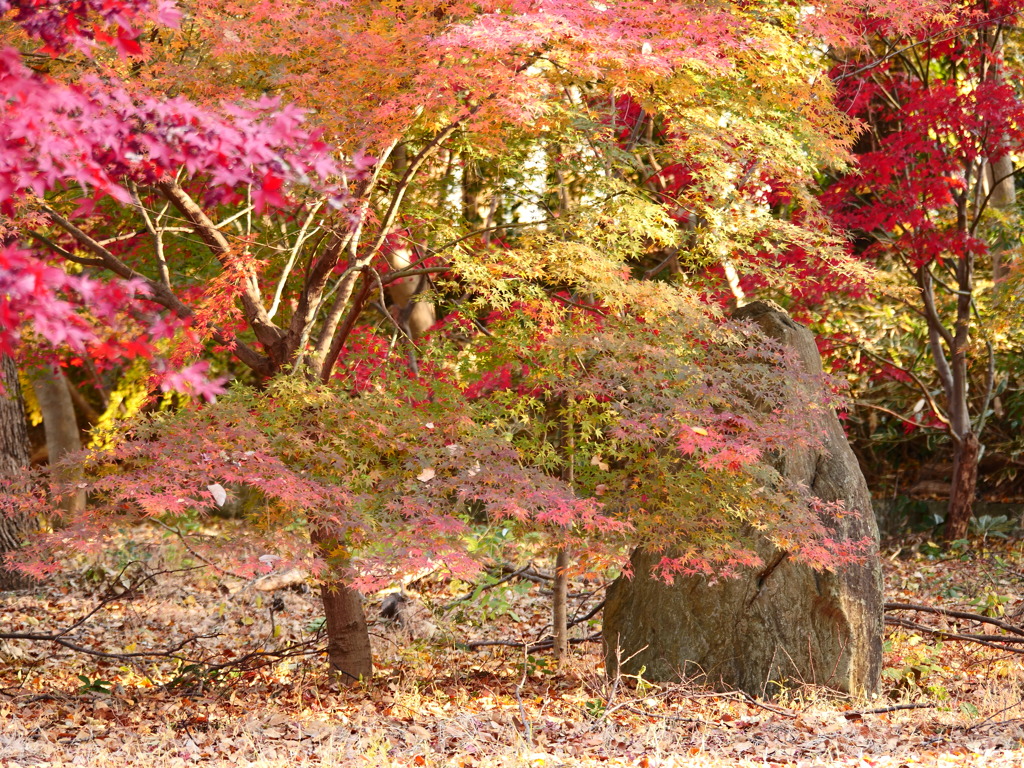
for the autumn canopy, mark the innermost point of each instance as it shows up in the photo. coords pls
(396, 270)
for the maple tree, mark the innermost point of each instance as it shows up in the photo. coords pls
(182, 225)
(933, 189)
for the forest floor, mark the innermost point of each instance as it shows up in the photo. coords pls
(436, 702)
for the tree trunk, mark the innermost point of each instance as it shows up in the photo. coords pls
(348, 640)
(415, 317)
(559, 613)
(560, 600)
(13, 460)
(62, 436)
(965, 480)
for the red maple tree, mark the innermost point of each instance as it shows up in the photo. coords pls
(942, 122)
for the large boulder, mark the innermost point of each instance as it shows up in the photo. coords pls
(782, 623)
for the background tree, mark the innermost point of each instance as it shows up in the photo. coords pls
(942, 122)
(52, 393)
(14, 526)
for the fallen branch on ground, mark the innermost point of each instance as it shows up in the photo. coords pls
(530, 648)
(858, 713)
(203, 671)
(168, 653)
(127, 592)
(952, 614)
(989, 641)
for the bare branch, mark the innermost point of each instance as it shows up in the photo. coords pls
(530, 648)
(937, 332)
(163, 652)
(904, 419)
(984, 640)
(159, 292)
(312, 298)
(252, 302)
(399, 274)
(157, 233)
(235, 217)
(938, 36)
(342, 334)
(483, 231)
(65, 254)
(300, 240)
(936, 409)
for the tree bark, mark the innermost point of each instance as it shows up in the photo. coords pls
(348, 641)
(62, 436)
(965, 481)
(560, 618)
(13, 460)
(415, 317)
(560, 599)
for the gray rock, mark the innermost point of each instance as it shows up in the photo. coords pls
(782, 623)
(409, 615)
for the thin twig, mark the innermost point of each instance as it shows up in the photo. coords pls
(924, 41)
(668, 718)
(484, 588)
(162, 653)
(195, 554)
(987, 720)
(767, 707)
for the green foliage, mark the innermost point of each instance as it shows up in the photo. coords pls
(918, 671)
(991, 603)
(998, 526)
(541, 665)
(94, 685)
(493, 601)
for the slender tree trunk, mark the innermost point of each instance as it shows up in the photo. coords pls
(953, 373)
(560, 600)
(348, 640)
(966, 451)
(472, 191)
(415, 317)
(560, 626)
(62, 436)
(13, 460)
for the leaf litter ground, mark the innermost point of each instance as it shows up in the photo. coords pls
(437, 702)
